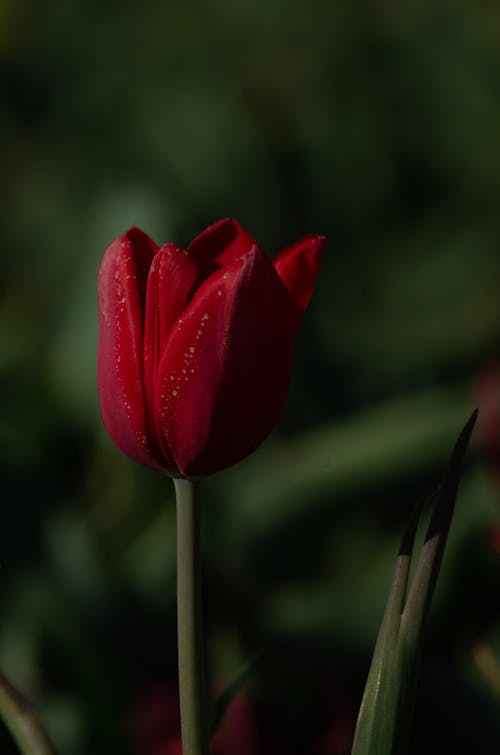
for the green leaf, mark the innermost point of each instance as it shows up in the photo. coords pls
(386, 710)
(377, 715)
(22, 721)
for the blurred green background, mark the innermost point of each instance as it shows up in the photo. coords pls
(377, 125)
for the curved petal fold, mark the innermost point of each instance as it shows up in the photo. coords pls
(220, 244)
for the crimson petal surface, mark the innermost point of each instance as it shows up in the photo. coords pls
(172, 280)
(224, 375)
(122, 293)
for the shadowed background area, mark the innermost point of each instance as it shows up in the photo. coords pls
(376, 126)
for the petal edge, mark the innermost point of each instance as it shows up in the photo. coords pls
(121, 288)
(298, 267)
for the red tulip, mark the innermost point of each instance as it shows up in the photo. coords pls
(195, 346)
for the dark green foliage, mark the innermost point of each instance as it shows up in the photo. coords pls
(374, 124)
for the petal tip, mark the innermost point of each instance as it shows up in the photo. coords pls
(298, 267)
(220, 243)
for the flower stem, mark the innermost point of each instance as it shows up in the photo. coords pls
(22, 721)
(189, 621)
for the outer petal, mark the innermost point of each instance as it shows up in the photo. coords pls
(224, 375)
(121, 297)
(172, 279)
(298, 266)
(219, 245)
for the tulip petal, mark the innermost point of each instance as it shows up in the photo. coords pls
(122, 293)
(224, 374)
(298, 266)
(220, 244)
(172, 278)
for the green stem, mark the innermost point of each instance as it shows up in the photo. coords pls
(22, 722)
(189, 621)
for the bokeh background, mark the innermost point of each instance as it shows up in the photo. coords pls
(377, 125)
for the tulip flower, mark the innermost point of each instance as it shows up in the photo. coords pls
(194, 362)
(195, 345)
